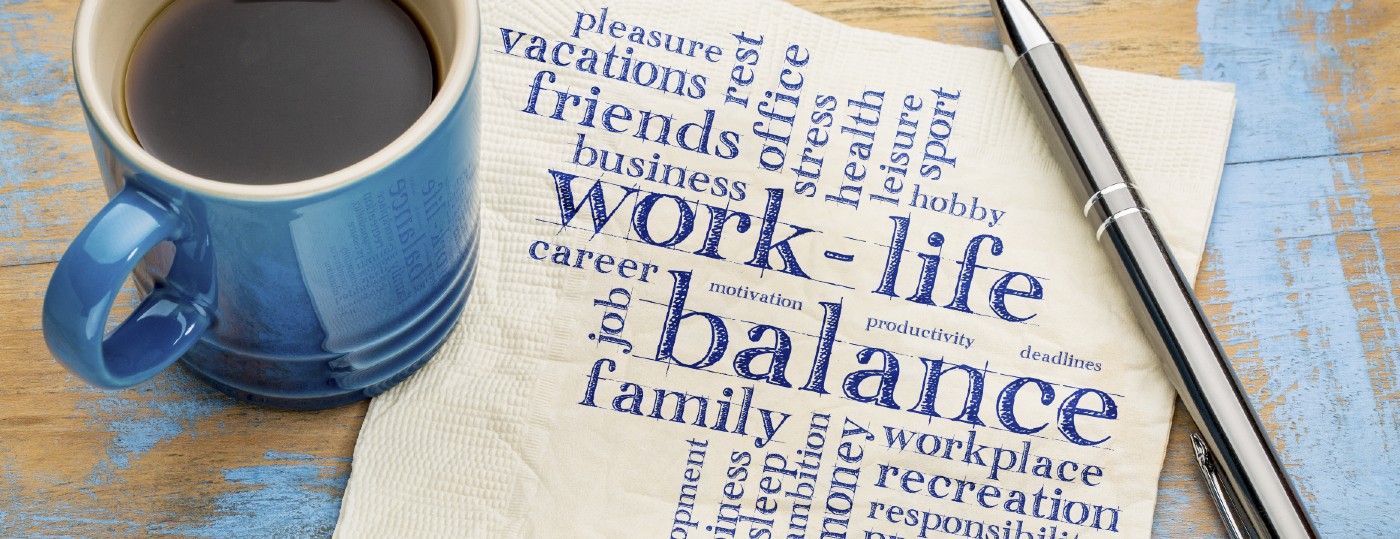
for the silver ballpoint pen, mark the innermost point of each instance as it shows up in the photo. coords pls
(1249, 485)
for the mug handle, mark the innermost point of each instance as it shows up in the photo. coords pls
(90, 275)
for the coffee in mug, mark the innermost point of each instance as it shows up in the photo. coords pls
(276, 91)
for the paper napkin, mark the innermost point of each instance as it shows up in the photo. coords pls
(748, 272)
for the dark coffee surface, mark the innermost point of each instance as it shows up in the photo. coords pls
(276, 91)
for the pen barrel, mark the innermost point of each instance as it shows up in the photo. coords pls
(1197, 366)
(1195, 362)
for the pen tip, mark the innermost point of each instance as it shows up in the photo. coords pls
(1198, 445)
(1020, 27)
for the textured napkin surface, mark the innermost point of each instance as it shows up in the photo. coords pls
(488, 440)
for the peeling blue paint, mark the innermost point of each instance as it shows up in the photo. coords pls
(296, 496)
(278, 455)
(29, 218)
(141, 418)
(1190, 490)
(1254, 44)
(23, 210)
(34, 77)
(1274, 236)
(31, 515)
(1290, 300)
(37, 123)
(981, 36)
(20, 154)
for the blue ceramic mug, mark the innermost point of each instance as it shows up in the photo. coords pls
(299, 295)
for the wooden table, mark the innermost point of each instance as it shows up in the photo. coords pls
(1301, 278)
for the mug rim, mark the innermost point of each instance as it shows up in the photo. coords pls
(459, 73)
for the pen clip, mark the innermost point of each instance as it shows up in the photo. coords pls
(1224, 500)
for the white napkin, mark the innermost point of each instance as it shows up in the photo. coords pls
(520, 428)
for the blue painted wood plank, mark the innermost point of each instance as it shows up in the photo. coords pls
(294, 495)
(48, 181)
(1280, 243)
(1291, 317)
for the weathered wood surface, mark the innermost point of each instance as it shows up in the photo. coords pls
(1301, 277)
